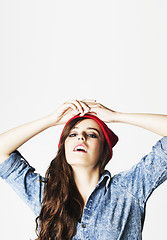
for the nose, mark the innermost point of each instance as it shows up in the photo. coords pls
(81, 138)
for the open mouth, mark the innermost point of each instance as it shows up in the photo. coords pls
(80, 148)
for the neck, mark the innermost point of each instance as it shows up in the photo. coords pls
(86, 180)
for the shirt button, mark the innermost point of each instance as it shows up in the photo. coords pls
(84, 225)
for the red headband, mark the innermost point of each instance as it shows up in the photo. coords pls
(110, 136)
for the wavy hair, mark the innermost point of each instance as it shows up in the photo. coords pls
(62, 204)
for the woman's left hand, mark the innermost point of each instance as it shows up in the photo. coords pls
(105, 114)
(156, 123)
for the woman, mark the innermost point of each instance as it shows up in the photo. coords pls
(78, 199)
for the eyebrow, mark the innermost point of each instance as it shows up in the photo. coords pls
(90, 128)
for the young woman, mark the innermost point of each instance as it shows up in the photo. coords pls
(78, 198)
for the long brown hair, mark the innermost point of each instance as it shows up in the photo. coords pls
(62, 204)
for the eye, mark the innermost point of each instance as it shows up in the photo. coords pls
(72, 135)
(92, 135)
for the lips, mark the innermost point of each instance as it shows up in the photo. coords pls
(80, 148)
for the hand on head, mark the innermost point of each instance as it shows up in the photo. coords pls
(76, 107)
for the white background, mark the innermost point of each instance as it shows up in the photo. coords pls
(54, 51)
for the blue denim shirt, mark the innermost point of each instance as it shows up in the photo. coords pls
(115, 209)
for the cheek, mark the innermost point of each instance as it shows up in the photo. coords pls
(68, 148)
(98, 149)
(67, 143)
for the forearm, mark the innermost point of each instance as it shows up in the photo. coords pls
(14, 138)
(156, 123)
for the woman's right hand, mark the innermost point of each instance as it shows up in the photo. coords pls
(68, 110)
(14, 138)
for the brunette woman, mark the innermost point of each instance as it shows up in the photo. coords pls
(78, 198)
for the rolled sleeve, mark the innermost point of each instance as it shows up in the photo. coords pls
(143, 178)
(17, 172)
(163, 143)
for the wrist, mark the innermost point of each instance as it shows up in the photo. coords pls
(117, 117)
(48, 121)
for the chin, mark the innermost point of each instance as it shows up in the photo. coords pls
(76, 163)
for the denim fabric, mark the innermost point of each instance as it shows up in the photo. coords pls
(115, 209)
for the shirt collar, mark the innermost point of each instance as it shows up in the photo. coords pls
(105, 177)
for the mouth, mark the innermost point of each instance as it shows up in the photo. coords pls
(80, 148)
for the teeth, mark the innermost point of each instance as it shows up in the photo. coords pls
(80, 148)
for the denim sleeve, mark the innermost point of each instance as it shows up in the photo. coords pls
(148, 174)
(23, 179)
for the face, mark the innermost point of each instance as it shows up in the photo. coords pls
(84, 144)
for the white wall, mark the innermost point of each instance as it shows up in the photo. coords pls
(53, 51)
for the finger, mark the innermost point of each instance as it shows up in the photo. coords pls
(78, 105)
(71, 105)
(94, 104)
(93, 113)
(88, 100)
(81, 107)
(85, 107)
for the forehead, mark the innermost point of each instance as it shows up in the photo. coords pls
(88, 123)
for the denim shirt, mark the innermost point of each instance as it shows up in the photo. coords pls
(115, 209)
